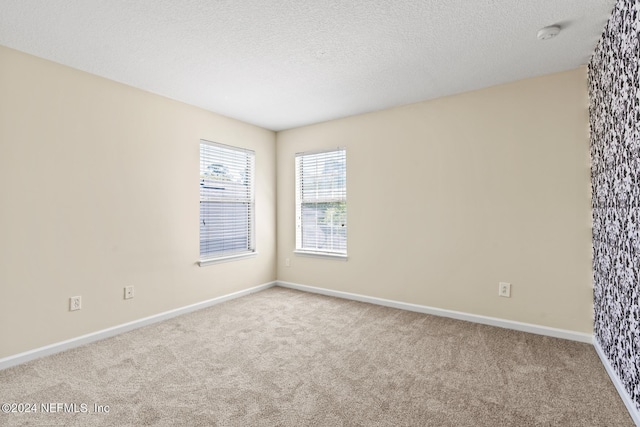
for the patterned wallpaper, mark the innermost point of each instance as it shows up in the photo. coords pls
(614, 111)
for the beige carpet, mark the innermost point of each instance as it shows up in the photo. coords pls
(283, 357)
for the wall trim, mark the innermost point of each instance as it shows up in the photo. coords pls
(626, 398)
(47, 350)
(24, 357)
(475, 318)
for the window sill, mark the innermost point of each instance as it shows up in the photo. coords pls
(211, 261)
(341, 257)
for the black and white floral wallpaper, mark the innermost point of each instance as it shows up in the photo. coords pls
(614, 112)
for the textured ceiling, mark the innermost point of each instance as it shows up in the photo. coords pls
(283, 64)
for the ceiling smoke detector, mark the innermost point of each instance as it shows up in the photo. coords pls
(548, 32)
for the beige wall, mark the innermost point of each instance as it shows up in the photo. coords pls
(447, 198)
(99, 190)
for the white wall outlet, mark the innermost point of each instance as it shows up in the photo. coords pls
(75, 303)
(504, 289)
(128, 292)
(287, 262)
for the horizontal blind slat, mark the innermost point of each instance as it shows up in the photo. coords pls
(226, 200)
(321, 210)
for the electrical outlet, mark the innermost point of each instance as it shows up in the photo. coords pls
(128, 292)
(504, 289)
(75, 303)
(287, 262)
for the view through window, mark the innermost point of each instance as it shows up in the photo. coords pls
(227, 202)
(321, 202)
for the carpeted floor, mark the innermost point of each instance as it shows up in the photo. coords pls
(287, 358)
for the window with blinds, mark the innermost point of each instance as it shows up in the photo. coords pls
(321, 202)
(227, 204)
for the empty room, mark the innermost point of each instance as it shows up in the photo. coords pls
(327, 213)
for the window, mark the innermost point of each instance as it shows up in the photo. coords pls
(227, 204)
(321, 203)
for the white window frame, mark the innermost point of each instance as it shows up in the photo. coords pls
(226, 160)
(327, 195)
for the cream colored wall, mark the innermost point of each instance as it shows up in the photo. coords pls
(99, 190)
(447, 198)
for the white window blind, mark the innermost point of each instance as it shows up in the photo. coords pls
(227, 204)
(321, 202)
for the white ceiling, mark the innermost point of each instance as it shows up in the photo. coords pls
(288, 63)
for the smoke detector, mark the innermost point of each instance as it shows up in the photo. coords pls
(547, 33)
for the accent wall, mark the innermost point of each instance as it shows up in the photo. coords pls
(614, 90)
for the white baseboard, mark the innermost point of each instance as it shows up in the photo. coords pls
(475, 318)
(626, 398)
(20, 358)
(493, 321)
